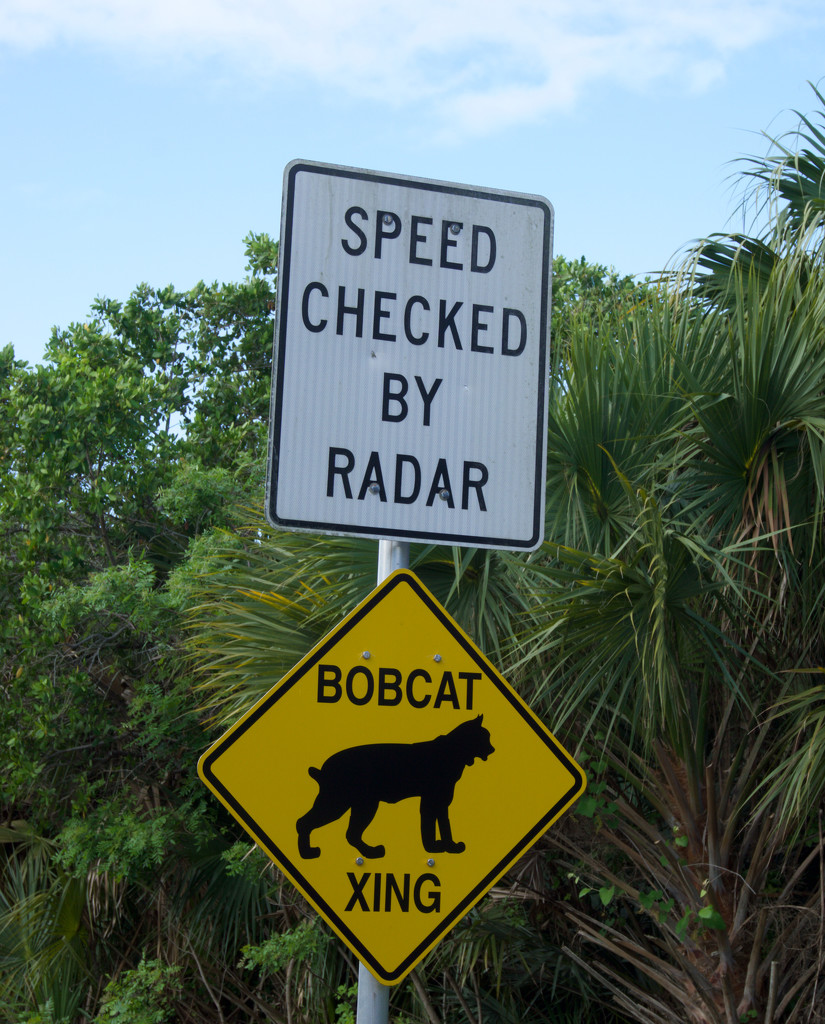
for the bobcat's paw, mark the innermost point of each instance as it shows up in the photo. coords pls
(370, 852)
(308, 852)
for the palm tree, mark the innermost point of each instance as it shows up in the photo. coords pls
(675, 599)
(682, 603)
(670, 628)
(784, 197)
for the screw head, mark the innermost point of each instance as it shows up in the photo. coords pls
(430, 862)
(444, 494)
(359, 861)
(455, 229)
(366, 655)
(436, 657)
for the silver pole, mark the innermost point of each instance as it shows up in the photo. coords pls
(373, 1005)
(392, 555)
(373, 999)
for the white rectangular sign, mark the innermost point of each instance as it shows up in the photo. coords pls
(411, 359)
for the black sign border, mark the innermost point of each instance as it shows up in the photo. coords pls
(285, 252)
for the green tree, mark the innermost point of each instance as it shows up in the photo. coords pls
(784, 201)
(669, 628)
(122, 455)
(682, 594)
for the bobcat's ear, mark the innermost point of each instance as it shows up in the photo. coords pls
(480, 719)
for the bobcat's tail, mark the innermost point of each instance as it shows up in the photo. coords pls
(315, 773)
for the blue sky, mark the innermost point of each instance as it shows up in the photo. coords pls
(140, 140)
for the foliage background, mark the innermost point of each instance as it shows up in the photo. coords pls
(669, 629)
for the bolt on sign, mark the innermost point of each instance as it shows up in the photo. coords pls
(411, 359)
(393, 775)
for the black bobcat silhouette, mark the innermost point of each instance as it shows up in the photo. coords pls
(359, 778)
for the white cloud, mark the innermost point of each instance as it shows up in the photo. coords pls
(474, 64)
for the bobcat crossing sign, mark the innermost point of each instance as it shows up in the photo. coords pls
(393, 775)
(411, 359)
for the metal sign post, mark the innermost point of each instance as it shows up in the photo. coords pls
(373, 996)
(373, 1005)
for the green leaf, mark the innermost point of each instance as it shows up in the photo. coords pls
(586, 806)
(682, 924)
(711, 918)
(606, 894)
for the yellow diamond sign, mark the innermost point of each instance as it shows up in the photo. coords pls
(393, 775)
